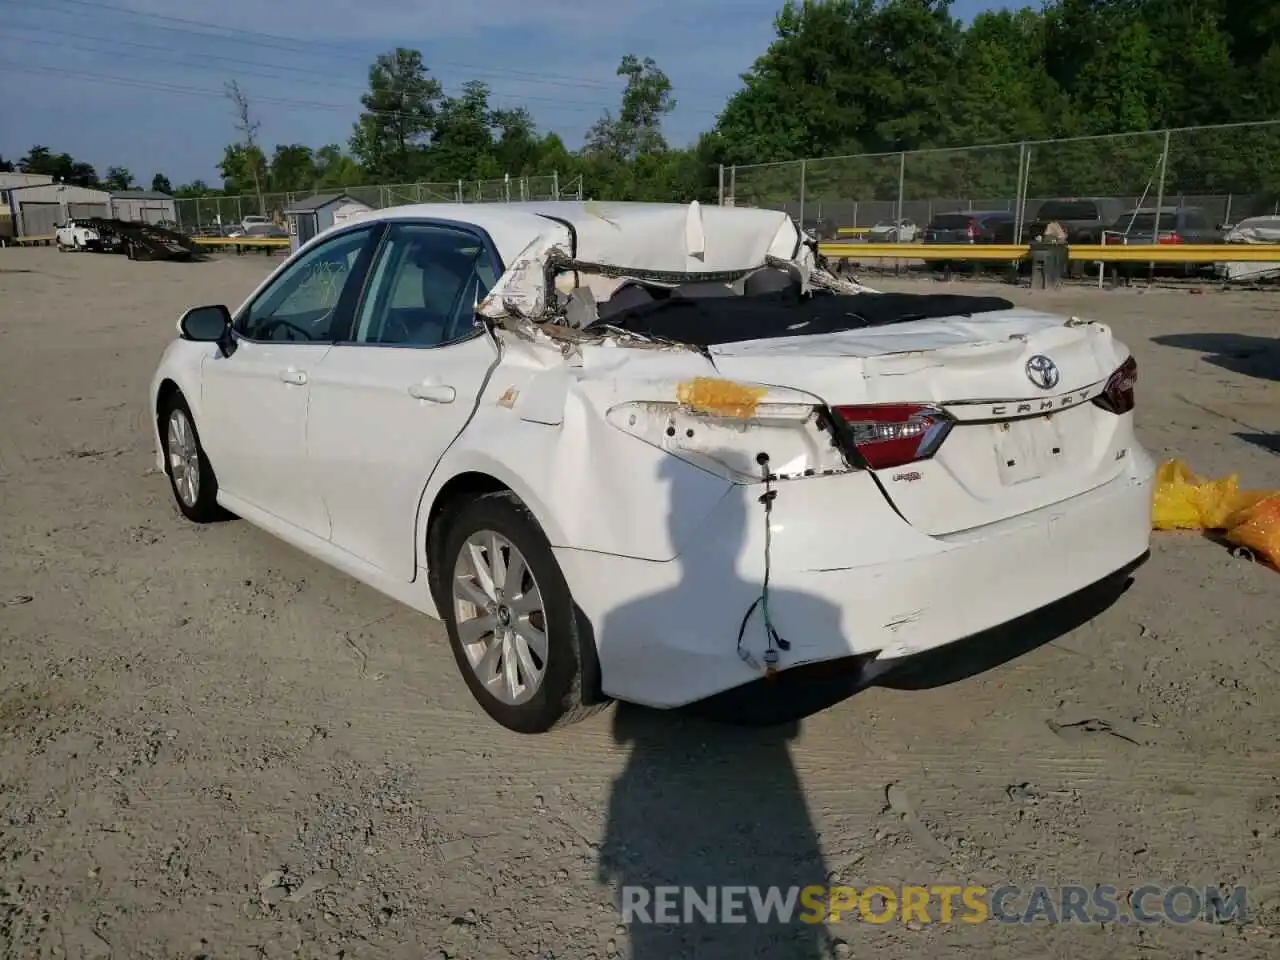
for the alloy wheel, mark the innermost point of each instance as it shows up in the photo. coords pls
(500, 617)
(184, 458)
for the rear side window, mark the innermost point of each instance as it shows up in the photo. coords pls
(951, 221)
(425, 287)
(1069, 210)
(1144, 222)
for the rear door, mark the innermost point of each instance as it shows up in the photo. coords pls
(389, 399)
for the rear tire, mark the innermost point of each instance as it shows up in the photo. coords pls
(191, 476)
(518, 643)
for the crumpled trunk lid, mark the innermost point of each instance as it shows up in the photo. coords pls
(1015, 445)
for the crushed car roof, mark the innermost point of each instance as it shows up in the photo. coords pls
(651, 236)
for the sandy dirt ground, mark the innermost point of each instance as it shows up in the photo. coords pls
(213, 746)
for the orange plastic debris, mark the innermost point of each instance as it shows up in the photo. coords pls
(1250, 518)
(1257, 528)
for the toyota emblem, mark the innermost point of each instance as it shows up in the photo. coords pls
(1043, 372)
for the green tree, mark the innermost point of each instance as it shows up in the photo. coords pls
(399, 114)
(336, 169)
(292, 168)
(61, 166)
(242, 169)
(517, 149)
(6, 166)
(462, 145)
(160, 184)
(196, 188)
(118, 178)
(637, 129)
(252, 161)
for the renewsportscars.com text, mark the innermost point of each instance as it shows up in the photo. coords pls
(942, 903)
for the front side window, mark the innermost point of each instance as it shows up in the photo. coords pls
(302, 304)
(425, 287)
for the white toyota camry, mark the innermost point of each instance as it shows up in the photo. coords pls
(652, 452)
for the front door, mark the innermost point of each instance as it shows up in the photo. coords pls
(254, 428)
(386, 404)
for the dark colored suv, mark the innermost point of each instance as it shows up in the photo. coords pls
(1084, 220)
(1176, 225)
(974, 226)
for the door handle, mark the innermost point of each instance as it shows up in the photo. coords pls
(434, 392)
(295, 378)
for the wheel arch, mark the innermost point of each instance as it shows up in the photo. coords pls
(479, 479)
(472, 474)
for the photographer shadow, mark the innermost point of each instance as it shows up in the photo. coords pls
(701, 805)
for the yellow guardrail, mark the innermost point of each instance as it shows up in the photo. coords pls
(1089, 253)
(29, 241)
(1176, 253)
(925, 251)
(852, 231)
(274, 242)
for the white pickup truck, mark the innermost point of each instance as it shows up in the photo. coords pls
(74, 236)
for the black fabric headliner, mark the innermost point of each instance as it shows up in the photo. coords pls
(708, 321)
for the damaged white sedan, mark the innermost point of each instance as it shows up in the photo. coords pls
(653, 452)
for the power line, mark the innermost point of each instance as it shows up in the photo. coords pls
(164, 87)
(313, 77)
(293, 45)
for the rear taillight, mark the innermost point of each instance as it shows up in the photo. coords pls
(1118, 395)
(1170, 237)
(893, 434)
(971, 231)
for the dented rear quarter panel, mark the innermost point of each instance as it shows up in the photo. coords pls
(540, 428)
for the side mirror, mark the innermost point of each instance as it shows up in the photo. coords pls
(206, 324)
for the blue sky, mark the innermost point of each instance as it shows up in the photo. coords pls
(106, 82)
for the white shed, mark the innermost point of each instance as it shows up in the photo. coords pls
(317, 214)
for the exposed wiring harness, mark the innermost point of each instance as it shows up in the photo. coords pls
(772, 637)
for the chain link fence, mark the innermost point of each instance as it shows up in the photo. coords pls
(215, 214)
(1230, 172)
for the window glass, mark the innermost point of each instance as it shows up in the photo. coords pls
(302, 302)
(425, 287)
(1144, 222)
(1069, 210)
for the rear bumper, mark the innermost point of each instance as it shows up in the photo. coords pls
(848, 577)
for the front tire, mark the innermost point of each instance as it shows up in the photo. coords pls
(514, 628)
(191, 476)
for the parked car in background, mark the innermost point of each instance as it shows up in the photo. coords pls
(894, 231)
(820, 228)
(974, 226)
(264, 229)
(1253, 230)
(1083, 219)
(253, 220)
(788, 480)
(1176, 225)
